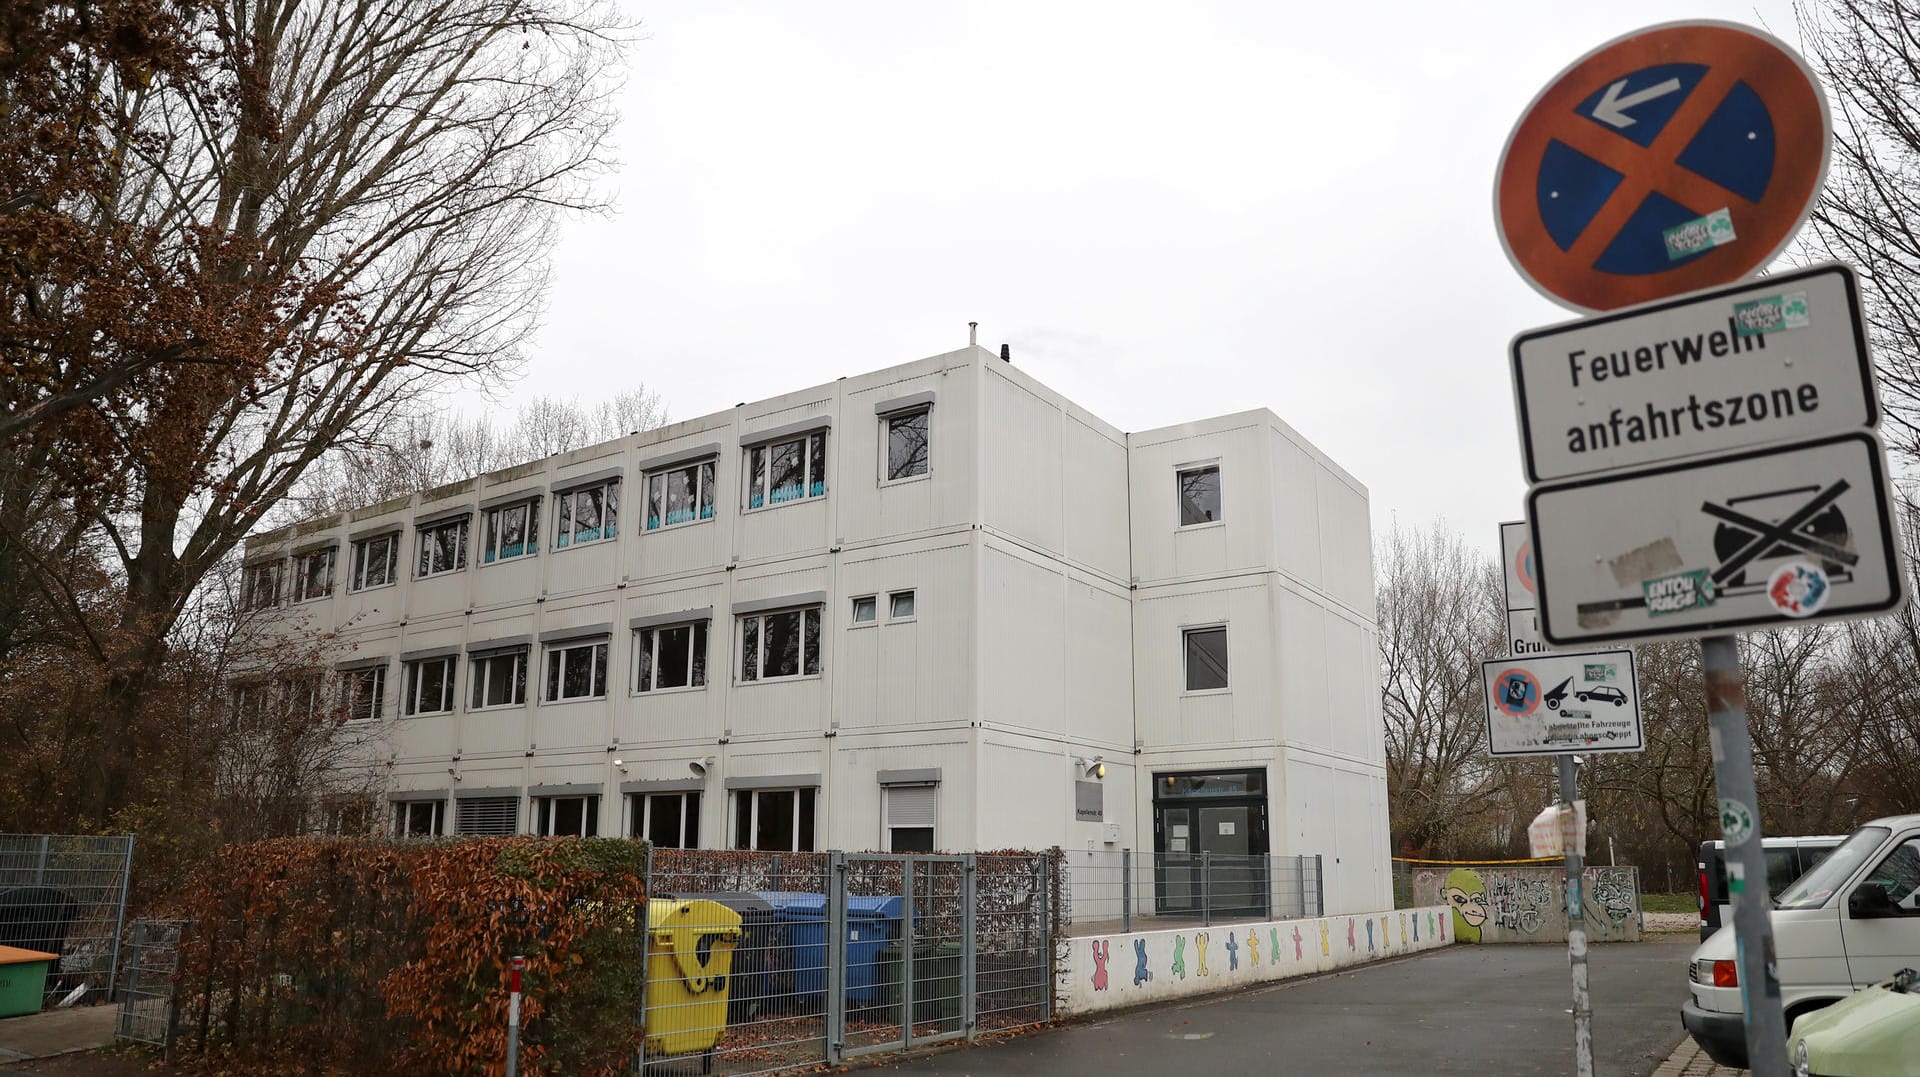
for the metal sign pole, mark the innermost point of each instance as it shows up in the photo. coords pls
(1576, 932)
(1746, 860)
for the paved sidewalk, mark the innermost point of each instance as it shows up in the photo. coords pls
(1688, 1060)
(56, 1032)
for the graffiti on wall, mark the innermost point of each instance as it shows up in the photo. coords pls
(1526, 903)
(1466, 895)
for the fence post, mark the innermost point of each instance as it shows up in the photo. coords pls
(906, 953)
(120, 918)
(646, 937)
(1206, 888)
(1043, 866)
(836, 1000)
(1300, 873)
(1319, 885)
(40, 869)
(513, 1016)
(1126, 889)
(969, 945)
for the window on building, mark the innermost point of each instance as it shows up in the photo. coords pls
(260, 586)
(682, 495)
(247, 703)
(375, 560)
(429, 687)
(487, 816)
(420, 819)
(352, 816)
(576, 670)
(668, 820)
(588, 514)
(907, 444)
(443, 547)
(783, 644)
(780, 820)
(791, 470)
(1199, 495)
(900, 606)
(511, 531)
(566, 817)
(364, 693)
(908, 816)
(865, 609)
(313, 574)
(1206, 658)
(302, 695)
(672, 656)
(499, 679)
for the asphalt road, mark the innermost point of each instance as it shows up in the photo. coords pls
(1490, 1011)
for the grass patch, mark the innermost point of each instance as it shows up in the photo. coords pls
(1670, 903)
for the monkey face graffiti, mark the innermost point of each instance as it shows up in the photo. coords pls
(1466, 895)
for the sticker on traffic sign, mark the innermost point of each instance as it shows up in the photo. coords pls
(1789, 533)
(1552, 703)
(1676, 158)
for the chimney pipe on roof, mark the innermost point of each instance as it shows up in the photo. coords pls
(1006, 354)
(973, 334)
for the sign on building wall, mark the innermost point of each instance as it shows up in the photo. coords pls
(1089, 801)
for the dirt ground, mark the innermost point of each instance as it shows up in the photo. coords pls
(104, 1063)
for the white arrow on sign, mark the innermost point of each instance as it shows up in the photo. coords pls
(1613, 106)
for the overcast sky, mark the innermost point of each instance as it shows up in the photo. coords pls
(1169, 212)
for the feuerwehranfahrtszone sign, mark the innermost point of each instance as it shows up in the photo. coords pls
(1765, 361)
(1678, 157)
(1523, 624)
(1783, 534)
(1553, 703)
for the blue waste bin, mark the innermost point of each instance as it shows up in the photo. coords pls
(873, 924)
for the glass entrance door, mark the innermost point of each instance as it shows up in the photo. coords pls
(1210, 844)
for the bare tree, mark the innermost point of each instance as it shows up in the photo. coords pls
(1440, 615)
(349, 205)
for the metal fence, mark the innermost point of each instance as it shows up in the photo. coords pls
(67, 894)
(1112, 891)
(834, 955)
(146, 987)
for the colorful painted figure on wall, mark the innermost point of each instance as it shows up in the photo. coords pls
(1466, 895)
(1180, 957)
(1326, 930)
(1253, 947)
(1385, 942)
(1352, 947)
(1100, 950)
(1141, 973)
(1233, 952)
(1416, 926)
(1369, 934)
(1200, 944)
(1403, 929)
(1297, 955)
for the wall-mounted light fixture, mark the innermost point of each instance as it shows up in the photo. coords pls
(1092, 768)
(699, 766)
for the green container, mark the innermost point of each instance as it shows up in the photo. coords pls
(23, 980)
(936, 981)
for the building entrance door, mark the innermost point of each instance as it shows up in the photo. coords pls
(1210, 844)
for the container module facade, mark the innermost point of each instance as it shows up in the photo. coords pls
(933, 606)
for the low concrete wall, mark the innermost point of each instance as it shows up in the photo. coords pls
(1126, 969)
(1524, 903)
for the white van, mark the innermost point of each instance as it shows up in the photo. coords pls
(1851, 921)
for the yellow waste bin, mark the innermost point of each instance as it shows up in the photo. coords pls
(689, 954)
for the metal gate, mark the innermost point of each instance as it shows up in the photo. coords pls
(66, 894)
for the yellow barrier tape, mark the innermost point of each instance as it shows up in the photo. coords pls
(1529, 860)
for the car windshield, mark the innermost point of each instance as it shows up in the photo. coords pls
(1810, 891)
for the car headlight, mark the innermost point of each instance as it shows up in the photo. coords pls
(1801, 1066)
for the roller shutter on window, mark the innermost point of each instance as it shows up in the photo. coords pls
(491, 816)
(910, 806)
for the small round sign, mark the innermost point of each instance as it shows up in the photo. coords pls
(1675, 158)
(1523, 566)
(1516, 693)
(1736, 821)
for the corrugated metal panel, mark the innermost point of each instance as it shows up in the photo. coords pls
(490, 816)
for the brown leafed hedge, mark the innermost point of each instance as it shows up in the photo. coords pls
(357, 955)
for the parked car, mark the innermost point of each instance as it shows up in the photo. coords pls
(1852, 921)
(1876, 1033)
(1787, 860)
